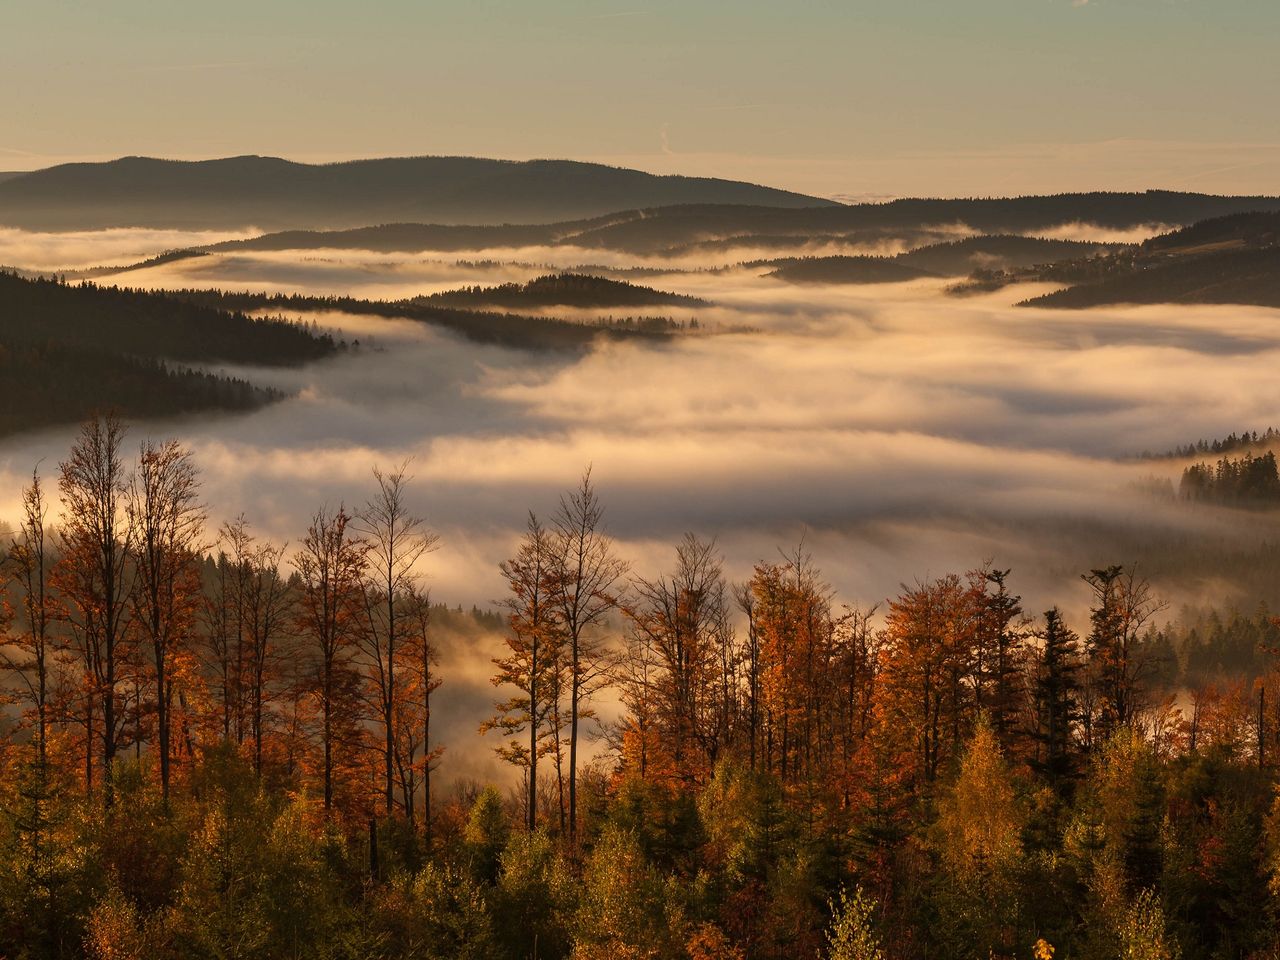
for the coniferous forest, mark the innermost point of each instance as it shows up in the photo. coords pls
(218, 745)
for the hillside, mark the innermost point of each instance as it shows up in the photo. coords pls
(67, 351)
(1233, 259)
(505, 329)
(561, 290)
(1246, 277)
(1004, 252)
(276, 194)
(679, 230)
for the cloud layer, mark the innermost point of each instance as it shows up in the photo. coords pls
(900, 432)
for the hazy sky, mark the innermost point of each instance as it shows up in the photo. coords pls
(858, 97)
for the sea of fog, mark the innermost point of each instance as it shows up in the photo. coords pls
(897, 431)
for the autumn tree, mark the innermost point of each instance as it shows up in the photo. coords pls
(925, 690)
(249, 610)
(979, 840)
(165, 514)
(331, 564)
(684, 620)
(589, 572)
(96, 578)
(396, 540)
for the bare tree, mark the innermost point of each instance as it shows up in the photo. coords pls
(168, 521)
(396, 540)
(590, 572)
(268, 605)
(685, 620)
(331, 564)
(95, 577)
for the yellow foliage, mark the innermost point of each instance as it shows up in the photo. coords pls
(980, 820)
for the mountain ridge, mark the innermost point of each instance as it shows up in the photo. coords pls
(273, 193)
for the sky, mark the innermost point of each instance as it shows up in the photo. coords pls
(849, 99)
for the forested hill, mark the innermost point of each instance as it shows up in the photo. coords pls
(506, 329)
(953, 258)
(1233, 259)
(67, 351)
(149, 325)
(961, 257)
(562, 290)
(677, 228)
(272, 193)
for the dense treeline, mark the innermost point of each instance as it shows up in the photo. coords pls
(42, 384)
(68, 350)
(1228, 259)
(505, 329)
(227, 749)
(1228, 444)
(1246, 276)
(562, 289)
(148, 324)
(1245, 481)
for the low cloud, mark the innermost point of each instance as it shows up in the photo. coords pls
(899, 432)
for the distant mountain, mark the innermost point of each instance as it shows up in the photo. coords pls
(844, 270)
(561, 290)
(67, 351)
(276, 194)
(701, 228)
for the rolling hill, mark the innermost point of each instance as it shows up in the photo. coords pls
(1005, 252)
(1233, 259)
(562, 290)
(705, 228)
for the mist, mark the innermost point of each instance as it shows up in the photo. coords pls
(895, 431)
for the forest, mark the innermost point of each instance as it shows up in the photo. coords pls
(220, 745)
(1247, 481)
(67, 350)
(562, 289)
(480, 326)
